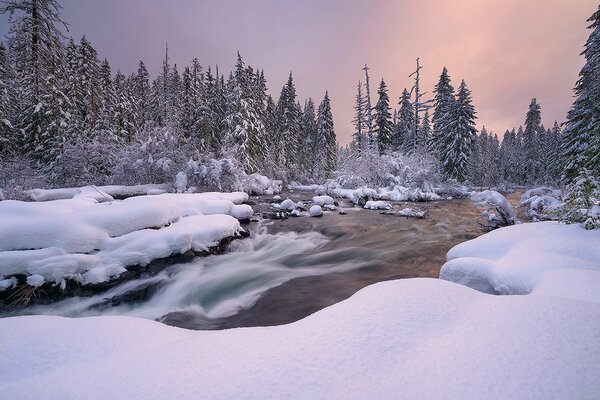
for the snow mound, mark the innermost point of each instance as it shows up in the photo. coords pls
(546, 258)
(409, 338)
(257, 184)
(322, 200)
(287, 205)
(315, 211)
(99, 193)
(377, 205)
(91, 242)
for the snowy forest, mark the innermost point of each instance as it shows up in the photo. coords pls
(68, 119)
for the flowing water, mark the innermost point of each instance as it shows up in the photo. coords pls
(288, 269)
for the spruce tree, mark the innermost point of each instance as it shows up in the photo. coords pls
(581, 145)
(360, 124)
(288, 126)
(383, 120)
(326, 132)
(404, 139)
(444, 107)
(8, 140)
(531, 141)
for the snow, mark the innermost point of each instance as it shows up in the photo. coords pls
(257, 184)
(377, 205)
(287, 205)
(315, 211)
(322, 200)
(94, 192)
(92, 242)
(2, 196)
(277, 197)
(396, 193)
(181, 181)
(414, 338)
(546, 258)
(542, 203)
(410, 212)
(501, 213)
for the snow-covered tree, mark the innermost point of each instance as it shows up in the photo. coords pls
(454, 145)
(326, 132)
(288, 126)
(531, 141)
(309, 139)
(581, 145)
(360, 124)
(368, 109)
(443, 112)
(8, 140)
(404, 133)
(383, 119)
(582, 203)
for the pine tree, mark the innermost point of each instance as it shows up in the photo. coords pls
(455, 142)
(288, 126)
(531, 141)
(142, 96)
(368, 109)
(8, 140)
(582, 203)
(444, 105)
(360, 124)
(581, 145)
(36, 46)
(326, 132)
(404, 134)
(425, 133)
(309, 137)
(245, 132)
(383, 120)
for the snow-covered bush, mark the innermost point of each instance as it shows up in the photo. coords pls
(17, 174)
(542, 203)
(582, 203)
(496, 208)
(396, 169)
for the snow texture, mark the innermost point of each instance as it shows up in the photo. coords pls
(543, 258)
(409, 339)
(377, 205)
(322, 200)
(92, 242)
(315, 211)
(96, 192)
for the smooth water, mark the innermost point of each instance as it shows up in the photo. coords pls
(288, 269)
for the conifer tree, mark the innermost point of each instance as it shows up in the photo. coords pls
(288, 126)
(326, 132)
(360, 124)
(404, 134)
(531, 141)
(8, 141)
(581, 145)
(444, 106)
(383, 120)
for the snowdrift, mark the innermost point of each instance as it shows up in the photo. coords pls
(92, 242)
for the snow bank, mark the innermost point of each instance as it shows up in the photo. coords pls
(377, 205)
(411, 339)
(90, 242)
(96, 192)
(322, 200)
(397, 193)
(410, 212)
(547, 258)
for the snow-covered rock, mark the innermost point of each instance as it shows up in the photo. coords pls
(496, 208)
(546, 258)
(287, 205)
(315, 211)
(412, 212)
(93, 192)
(277, 197)
(542, 203)
(83, 240)
(322, 200)
(377, 205)
(330, 207)
(111, 190)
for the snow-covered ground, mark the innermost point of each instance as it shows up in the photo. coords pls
(414, 338)
(92, 242)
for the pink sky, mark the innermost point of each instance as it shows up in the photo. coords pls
(508, 51)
